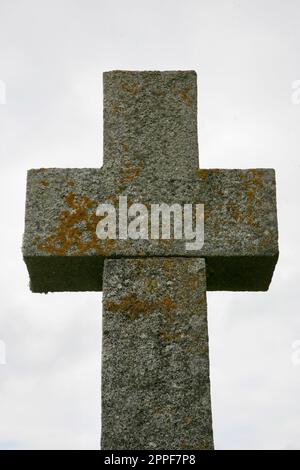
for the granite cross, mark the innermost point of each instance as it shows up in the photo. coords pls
(155, 361)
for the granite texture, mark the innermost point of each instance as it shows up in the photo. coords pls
(62, 251)
(151, 156)
(150, 122)
(155, 385)
(155, 363)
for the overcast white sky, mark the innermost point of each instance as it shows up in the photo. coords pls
(52, 55)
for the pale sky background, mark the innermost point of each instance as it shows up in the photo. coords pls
(52, 55)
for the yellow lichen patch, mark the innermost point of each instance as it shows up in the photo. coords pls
(171, 336)
(76, 230)
(165, 242)
(234, 211)
(44, 183)
(188, 419)
(204, 349)
(129, 172)
(266, 242)
(193, 281)
(250, 217)
(151, 284)
(167, 304)
(255, 181)
(257, 173)
(184, 94)
(202, 173)
(131, 89)
(201, 446)
(133, 306)
(240, 214)
(41, 170)
(207, 212)
(130, 305)
(169, 265)
(116, 108)
(252, 186)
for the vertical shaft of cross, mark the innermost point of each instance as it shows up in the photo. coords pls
(155, 364)
(155, 361)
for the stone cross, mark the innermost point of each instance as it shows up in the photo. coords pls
(155, 361)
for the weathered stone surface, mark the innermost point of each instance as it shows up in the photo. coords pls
(155, 364)
(150, 123)
(150, 155)
(155, 346)
(62, 251)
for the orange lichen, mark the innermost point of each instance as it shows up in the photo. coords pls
(200, 446)
(128, 173)
(184, 95)
(134, 306)
(193, 280)
(151, 284)
(130, 305)
(234, 211)
(171, 336)
(251, 184)
(207, 212)
(188, 419)
(131, 89)
(167, 304)
(169, 264)
(116, 108)
(77, 220)
(202, 173)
